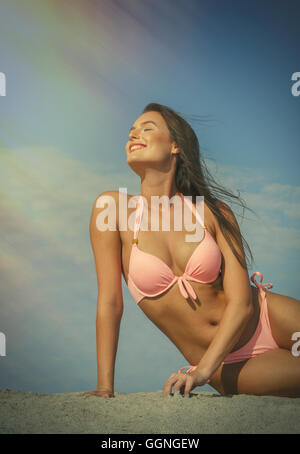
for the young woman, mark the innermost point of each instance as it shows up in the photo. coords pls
(237, 337)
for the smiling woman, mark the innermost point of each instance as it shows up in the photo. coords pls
(235, 336)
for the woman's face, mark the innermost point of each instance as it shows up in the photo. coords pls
(150, 130)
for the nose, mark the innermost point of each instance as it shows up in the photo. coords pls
(132, 138)
(133, 134)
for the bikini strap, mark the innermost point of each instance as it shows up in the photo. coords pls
(138, 218)
(194, 209)
(260, 285)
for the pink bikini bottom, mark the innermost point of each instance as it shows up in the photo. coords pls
(261, 341)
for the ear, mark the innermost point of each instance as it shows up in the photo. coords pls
(175, 148)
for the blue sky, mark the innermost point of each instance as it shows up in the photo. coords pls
(77, 79)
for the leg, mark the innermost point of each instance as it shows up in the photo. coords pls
(273, 373)
(284, 317)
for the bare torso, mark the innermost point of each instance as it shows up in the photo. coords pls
(190, 325)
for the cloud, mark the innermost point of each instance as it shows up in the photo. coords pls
(273, 233)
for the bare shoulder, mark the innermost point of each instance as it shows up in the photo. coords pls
(106, 196)
(116, 195)
(108, 200)
(114, 202)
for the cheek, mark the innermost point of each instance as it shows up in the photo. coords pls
(160, 153)
(159, 146)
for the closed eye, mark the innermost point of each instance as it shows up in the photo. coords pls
(146, 129)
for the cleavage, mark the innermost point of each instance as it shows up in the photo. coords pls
(182, 250)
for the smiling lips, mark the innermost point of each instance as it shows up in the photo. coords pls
(136, 146)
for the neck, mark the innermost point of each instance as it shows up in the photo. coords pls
(165, 188)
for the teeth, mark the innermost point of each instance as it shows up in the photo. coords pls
(135, 147)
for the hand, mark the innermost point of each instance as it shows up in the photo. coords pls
(100, 393)
(185, 382)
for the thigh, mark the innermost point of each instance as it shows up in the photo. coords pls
(284, 317)
(275, 373)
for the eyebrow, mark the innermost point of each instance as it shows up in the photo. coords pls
(148, 121)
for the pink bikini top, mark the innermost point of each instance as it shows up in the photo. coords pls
(149, 276)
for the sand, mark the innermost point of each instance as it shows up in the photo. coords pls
(147, 413)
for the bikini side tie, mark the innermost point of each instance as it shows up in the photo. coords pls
(260, 285)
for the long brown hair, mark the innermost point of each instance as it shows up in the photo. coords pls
(193, 178)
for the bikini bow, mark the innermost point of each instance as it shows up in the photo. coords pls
(185, 288)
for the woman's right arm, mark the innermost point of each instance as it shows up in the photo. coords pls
(106, 247)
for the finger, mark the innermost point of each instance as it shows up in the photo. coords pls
(103, 393)
(179, 385)
(169, 383)
(167, 389)
(106, 396)
(189, 385)
(100, 394)
(171, 378)
(187, 389)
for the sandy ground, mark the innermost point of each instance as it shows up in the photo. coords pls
(147, 413)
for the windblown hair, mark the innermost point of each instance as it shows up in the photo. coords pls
(193, 178)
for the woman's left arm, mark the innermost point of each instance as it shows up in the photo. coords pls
(239, 308)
